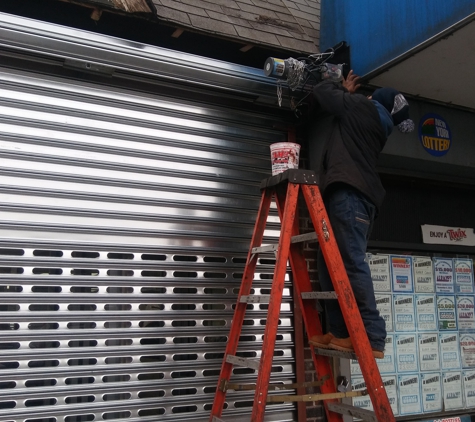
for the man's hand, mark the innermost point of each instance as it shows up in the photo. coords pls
(351, 82)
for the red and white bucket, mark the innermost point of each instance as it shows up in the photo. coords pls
(284, 156)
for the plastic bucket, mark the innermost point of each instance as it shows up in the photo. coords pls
(284, 156)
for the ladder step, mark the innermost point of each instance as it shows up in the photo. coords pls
(306, 237)
(346, 409)
(255, 299)
(216, 419)
(335, 353)
(315, 397)
(245, 362)
(274, 387)
(319, 295)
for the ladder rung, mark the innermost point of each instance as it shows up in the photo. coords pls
(244, 387)
(245, 362)
(255, 299)
(335, 353)
(346, 409)
(304, 237)
(265, 248)
(319, 295)
(294, 239)
(315, 397)
(216, 419)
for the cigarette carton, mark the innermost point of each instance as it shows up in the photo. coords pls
(426, 312)
(431, 392)
(444, 275)
(410, 400)
(429, 356)
(401, 274)
(406, 352)
(423, 274)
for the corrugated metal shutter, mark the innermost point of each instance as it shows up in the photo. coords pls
(125, 219)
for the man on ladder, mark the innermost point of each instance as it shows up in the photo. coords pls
(352, 193)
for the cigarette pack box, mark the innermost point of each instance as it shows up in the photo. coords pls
(449, 350)
(390, 385)
(463, 273)
(384, 304)
(364, 402)
(404, 312)
(444, 275)
(429, 356)
(452, 390)
(406, 352)
(431, 392)
(446, 314)
(426, 312)
(423, 274)
(401, 274)
(465, 312)
(387, 365)
(469, 387)
(467, 349)
(379, 266)
(355, 368)
(410, 400)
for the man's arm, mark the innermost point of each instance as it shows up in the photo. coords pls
(331, 96)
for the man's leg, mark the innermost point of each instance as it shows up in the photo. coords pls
(351, 217)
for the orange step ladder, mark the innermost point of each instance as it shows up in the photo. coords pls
(286, 188)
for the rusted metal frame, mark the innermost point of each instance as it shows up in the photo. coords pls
(240, 310)
(348, 304)
(275, 304)
(301, 281)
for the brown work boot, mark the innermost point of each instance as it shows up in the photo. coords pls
(322, 342)
(345, 345)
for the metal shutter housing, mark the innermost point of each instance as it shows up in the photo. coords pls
(125, 217)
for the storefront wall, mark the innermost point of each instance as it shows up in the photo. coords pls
(128, 196)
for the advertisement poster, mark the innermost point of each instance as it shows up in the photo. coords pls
(355, 368)
(469, 387)
(467, 349)
(452, 390)
(431, 392)
(410, 400)
(401, 274)
(384, 304)
(446, 312)
(390, 385)
(429, 358)
(423, 275)
(364, 402)
(444, 275)
(407, 359)
(449, 350)
(465, 312)
(379, 266)
(387, 365)
(426, 312)
(404, 313)
(463, 270)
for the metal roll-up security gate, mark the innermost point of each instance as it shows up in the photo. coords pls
(125, 218)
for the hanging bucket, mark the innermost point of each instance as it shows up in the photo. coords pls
(284, 156)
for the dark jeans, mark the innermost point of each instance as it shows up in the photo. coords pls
(351, 217)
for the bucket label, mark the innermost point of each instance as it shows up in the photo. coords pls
(284, 156)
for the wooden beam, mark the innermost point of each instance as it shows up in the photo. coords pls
(178, 32)
(246, 48)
